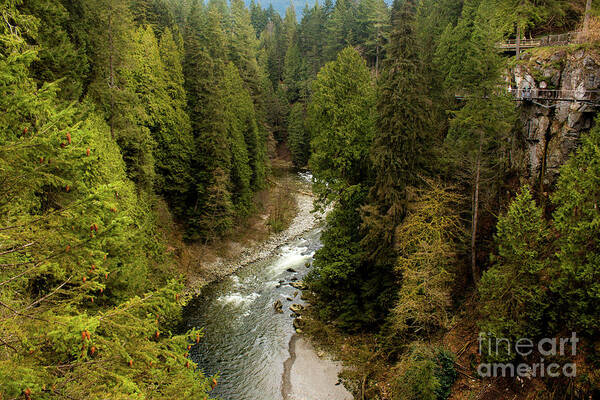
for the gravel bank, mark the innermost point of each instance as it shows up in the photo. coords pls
(304, 221)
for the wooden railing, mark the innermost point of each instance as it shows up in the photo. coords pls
(555, 94)
(544, 41)
(571, 95)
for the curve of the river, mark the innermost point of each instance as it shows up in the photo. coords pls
(247, 343)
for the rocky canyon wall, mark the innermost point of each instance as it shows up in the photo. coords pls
(563, 84)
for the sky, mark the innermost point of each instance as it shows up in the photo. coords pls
(281, 5)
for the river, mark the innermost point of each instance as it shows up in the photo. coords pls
(255, 350)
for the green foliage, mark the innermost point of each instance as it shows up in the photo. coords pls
(111, 28)
(427, 247)
(342, 124)
(401, 150)
(512, 292)
(85, 309)
(336, 277)
(298, 136)
(424, 373)
(239, 117)
(57, 57)
(576, 219)
(373, 24)
(162, 96)
(341, 27)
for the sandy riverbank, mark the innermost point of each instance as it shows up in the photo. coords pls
(307, 376)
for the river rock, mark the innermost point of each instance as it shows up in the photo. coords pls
(298, 323)
(289, 299)
(298, 285)
(295, 293)
(291, 270)
(278, 307)
(297, 308)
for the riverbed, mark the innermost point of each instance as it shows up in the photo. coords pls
(253, 349)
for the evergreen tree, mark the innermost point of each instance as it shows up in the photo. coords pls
(373, 21)
(205, 60)
(258, 17)
(159, 85)
(76, 250)
(427, 242)
(341, 121)
(342, 125)
(298, 137)
(576, 219)
(341, 28)
(290, 23)
(311, 33)
(294, 76)
(111, 28)
(402, 147)
(479, 129)
(240, 127)
(58, 56)
(513, 298)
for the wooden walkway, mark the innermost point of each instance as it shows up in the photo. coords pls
(545, 97)
(543, 41)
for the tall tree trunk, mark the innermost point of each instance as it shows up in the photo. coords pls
(586, 18)
(112, 78)
(377, 57)
(518, 42)
(474, 268)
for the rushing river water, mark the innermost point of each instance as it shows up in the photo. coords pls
(245, 341)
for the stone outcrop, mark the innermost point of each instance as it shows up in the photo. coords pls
(551, 128)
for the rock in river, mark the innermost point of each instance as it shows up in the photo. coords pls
(297, 308)
(298, 285)
(278, 306)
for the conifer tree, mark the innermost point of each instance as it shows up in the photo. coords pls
(298, 137)
(58, 56)
(294, 75)
(373, 22)
(342, 125)
(111, 27)
(311, 31)
(477, 131)
(341, 28)
(576, 279)
(240, 128)
(427, 242)
(513, 299)
(402, 147)
(160, 88)
(76, 248)
(205, 60)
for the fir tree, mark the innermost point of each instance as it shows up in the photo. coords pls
(342, 125)
(478, 130)
(298, 137)
(402, 147)
(576, 219)
(111, 25)
(513, 298)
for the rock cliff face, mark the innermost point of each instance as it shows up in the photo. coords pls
(564, 84)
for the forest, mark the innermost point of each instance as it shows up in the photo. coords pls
(110, 107)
